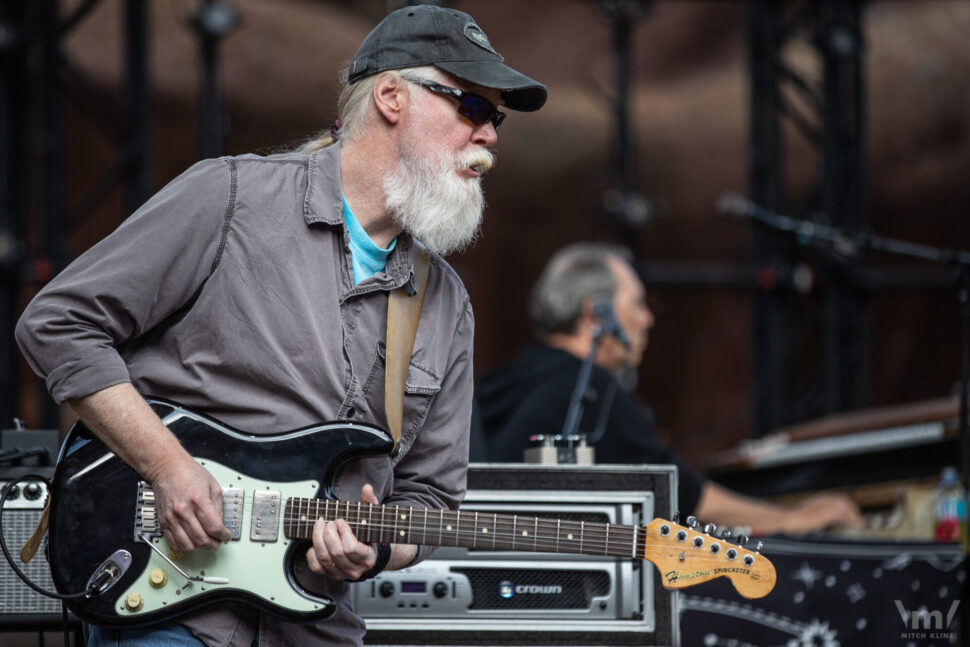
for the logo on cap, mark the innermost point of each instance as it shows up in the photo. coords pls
(475, 34)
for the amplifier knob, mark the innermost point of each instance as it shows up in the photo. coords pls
(33, 491)
(13, 493)
(386, 589)
(440, 589)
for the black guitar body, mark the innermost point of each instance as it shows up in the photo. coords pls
(95, 504)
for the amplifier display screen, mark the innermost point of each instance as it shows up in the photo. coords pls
(413, 587)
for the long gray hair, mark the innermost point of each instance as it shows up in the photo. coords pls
(352, 106)
(575, 273)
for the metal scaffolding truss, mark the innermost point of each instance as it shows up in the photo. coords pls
(38, 80)
(825, 105)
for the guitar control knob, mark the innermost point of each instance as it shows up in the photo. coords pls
(33, 490)
(175, 555)
(440, 589)
(157, 578)
(710, 528)
(692, 521)
(134, 602)
(386, 589)
(742, 540)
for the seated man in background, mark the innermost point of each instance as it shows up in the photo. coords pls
(531, 395)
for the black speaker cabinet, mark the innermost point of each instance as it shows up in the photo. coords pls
(463, 596)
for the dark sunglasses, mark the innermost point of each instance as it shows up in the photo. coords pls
(476, 109)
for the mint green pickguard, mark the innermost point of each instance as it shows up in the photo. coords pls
(255, 567)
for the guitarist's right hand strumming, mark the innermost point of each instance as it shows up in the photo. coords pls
(189, 504)
(188, 498)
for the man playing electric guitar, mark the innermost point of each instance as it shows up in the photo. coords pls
(255, 289)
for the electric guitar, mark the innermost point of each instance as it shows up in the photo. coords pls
(104, 535)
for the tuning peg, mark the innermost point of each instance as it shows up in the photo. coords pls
(710, 528)
(692, 521)
(676, 517)
(758, 548)
(725, 533)
(742, 540)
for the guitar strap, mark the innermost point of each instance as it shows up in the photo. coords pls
(29, 549)
(403, 312)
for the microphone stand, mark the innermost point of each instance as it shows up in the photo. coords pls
(577, 400)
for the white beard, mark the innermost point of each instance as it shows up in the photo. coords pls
(433, 203)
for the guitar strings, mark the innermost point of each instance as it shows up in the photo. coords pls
(590, 530)
(496, 529)
(548, 543)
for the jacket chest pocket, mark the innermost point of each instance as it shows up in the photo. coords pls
(420, 389)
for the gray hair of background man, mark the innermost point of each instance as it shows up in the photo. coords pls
(574, 274)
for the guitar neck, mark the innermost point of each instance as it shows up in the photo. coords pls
(468, 529)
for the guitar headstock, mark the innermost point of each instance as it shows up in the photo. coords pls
(686, 556)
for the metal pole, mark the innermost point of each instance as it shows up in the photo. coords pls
(213, 22)
(843, 192)
(51, 188)
(766, 170)
(138, 112)
(14, 125)
(628, 208)
(212, 127)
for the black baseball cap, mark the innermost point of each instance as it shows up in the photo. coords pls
(447, 39)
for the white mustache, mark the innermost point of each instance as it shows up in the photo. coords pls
(481, 160)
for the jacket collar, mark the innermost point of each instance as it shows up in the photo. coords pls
(323, 201)
(323, 204)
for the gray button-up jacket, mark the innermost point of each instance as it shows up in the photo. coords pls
(231, 292)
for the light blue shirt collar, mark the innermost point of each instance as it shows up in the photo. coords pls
(368, 258)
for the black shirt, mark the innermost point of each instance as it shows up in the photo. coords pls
(531, 395)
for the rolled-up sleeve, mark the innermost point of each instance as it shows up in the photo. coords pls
(124, 286)
(433, 473)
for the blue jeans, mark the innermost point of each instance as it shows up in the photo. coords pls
(170, 634)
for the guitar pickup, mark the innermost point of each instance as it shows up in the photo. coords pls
(232, 511)
(265, 524)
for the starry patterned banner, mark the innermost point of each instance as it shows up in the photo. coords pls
(836, 594)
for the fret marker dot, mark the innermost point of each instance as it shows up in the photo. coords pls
(402, 533)
(303, 518)
(485, 530)
(404, 516)
(569, 536)
(448, 528)
(525, 533)
(363, 522)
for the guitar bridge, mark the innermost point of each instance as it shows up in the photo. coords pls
(146, 516)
